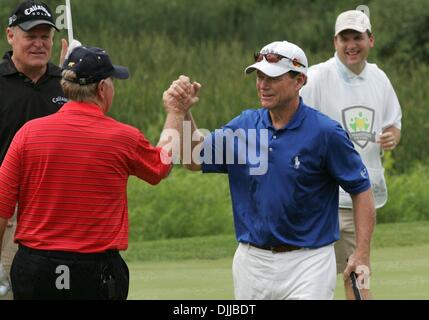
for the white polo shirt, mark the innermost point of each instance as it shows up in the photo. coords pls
(364, 104)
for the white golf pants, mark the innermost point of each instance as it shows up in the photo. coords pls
(305, 274)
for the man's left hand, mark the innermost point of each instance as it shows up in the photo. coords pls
(387, 141)
(360, 265)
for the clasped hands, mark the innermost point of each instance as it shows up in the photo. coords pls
(181, 95)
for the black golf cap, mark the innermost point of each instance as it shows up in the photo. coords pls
(92, 65)
(30, 14)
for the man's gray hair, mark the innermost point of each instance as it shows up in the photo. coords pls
(75, 91)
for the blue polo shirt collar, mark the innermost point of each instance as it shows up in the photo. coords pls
(294, 123)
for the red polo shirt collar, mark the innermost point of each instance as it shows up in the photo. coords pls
(82, 107)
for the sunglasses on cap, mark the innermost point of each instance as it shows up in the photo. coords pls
(275, 57)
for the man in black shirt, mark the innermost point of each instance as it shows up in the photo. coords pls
(29, 85)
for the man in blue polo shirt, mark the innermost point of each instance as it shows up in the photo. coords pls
(285, 204)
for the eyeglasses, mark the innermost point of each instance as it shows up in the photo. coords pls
(275, 57)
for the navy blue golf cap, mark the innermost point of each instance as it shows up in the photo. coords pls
(91, 65)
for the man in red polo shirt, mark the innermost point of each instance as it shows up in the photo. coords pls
(68, 172)
(29, 89)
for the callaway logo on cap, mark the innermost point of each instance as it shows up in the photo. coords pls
(30, 14)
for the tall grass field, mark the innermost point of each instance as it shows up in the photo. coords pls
(213, 42)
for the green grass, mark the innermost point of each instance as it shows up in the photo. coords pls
(216, 247)
(401, 234)
(210, 247)
(181, 280)
(200, 268)
(398, 273)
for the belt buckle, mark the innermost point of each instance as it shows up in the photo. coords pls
(283, 248)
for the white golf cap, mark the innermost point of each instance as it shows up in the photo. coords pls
(294, 60)
(352, 20)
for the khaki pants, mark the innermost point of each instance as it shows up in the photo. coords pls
(9, 249)
(347, 243)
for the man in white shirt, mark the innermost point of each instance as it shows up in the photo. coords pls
(360, 96)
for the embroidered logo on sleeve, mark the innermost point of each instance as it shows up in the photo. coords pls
(364, 173)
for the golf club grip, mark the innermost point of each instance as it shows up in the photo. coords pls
(355, 288)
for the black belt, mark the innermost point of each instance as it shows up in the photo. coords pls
(70, 255)
(278, 249)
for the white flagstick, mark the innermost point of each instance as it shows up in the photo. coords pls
(69, 21)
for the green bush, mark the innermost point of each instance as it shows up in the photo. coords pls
(408, 200)
(413, 93)
(190, 204)
(185, 204)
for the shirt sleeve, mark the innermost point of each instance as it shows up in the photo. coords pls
(10, 175)
(213, 159)
(345, 163)
(310, 92)
(392, 114)
(149, 163)
(213, 156)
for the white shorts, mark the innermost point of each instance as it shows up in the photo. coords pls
(305, 274)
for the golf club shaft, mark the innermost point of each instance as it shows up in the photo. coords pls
(356, 291)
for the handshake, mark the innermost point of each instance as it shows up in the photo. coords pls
(4, 281)
(181, 95)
